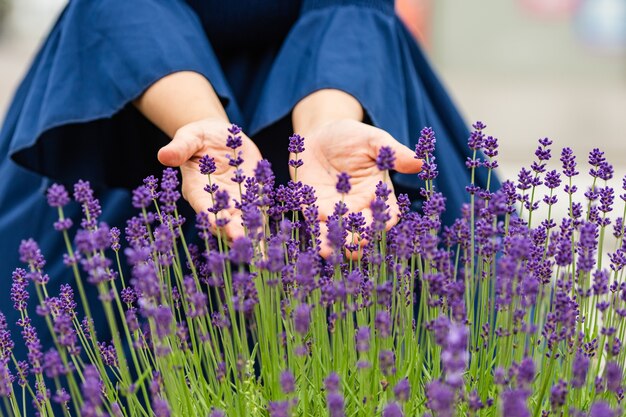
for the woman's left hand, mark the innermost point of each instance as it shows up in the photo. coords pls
(352, 147)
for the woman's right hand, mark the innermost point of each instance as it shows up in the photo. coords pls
(208, 137)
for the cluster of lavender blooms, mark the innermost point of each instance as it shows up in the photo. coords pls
(492, 315)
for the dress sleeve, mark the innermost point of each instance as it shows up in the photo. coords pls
(72, 116)
(362, 48)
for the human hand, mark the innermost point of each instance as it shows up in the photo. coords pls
(208, 137)
(352, 147)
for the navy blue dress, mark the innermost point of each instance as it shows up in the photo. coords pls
(72, 115)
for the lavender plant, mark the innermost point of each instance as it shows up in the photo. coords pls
(496, 314)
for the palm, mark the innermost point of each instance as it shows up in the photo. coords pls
(208, 137)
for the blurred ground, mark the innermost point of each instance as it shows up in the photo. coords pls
(530, 76)
(524, 75)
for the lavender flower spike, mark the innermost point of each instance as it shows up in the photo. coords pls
(343, 183)
(57, 196)
(385, 159)
(234, 140)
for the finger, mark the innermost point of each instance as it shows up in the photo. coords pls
(355, 239)
(180, 149)
(234, 229)
(405, 162)
(325, 208)
(325, 249)
(369, 218)
(394, 212)
(354, 255)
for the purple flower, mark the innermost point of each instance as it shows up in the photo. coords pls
(160, 407)
(580, 367)
(613, 375)
(362, 337)
(114, 238)
(542, 153)
(383, 323)
(296, 144)
(169, 190)
(558, 395)
(278, 408)
(302, 318)
(331, 383)
(402, 390)
(514, 403)
(91, 387)
(607, 195)
(152, 184)
(601, 409)
(429, 169)
(90, 205)
(5, 379)
(31, 254)
(600, 282)
(524, 179)
(387, 362)
(241, 251)
(66, 333)
(57, 196)
(61, 397)
(552, 179)
(63, 224)
(142, 197)
(568, 159)
(207, 165)
(52, 364)
(392, 410)
(222, 202)
(587, 246)
(596, 157)
(605, 171)
(455, 355)
(33, 345)
(245, 293)
(263, 172)
(252, 218)
(440, 399)
(234, 141)
(196, 300)
(476, 139)
(526, 372)
(335, 404)
(490, 148)
(19, 293)
(144, 280)
(108, 353)
(287, 382)
(385, 159)
(66, 295)
(343, 183)
(425, 145)
(163, 321)
(22, 372)
(474, 401)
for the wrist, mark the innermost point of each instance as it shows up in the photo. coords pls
(323, 107)
(179, 99)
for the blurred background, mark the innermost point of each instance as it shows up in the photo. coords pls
(527, 68)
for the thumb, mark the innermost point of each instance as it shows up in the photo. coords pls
(180, 149)
(405, 162)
